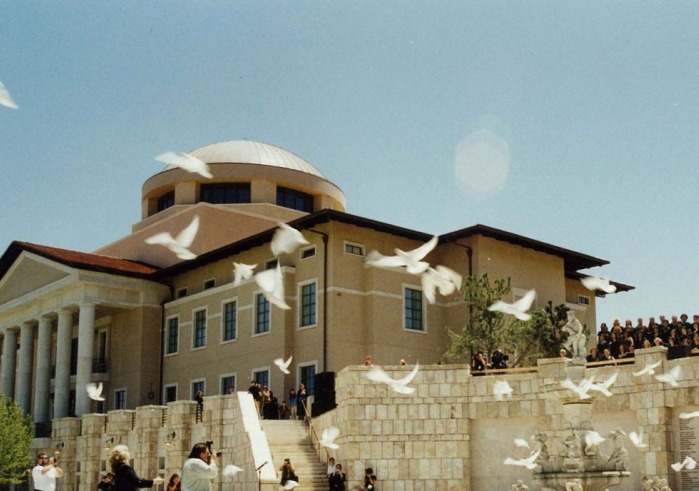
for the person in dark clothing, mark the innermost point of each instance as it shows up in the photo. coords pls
(337, 479)
(107, 482)
(125, 478)
(301, 396)
(255, 391)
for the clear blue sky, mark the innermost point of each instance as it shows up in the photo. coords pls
(586, 114)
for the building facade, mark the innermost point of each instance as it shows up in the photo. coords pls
(155, 329)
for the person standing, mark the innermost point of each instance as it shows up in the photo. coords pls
(125, 478)
(292, 403)
(301, 396)
(199, 469)
(45, 473)
(337, 479)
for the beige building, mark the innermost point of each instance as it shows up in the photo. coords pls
(153, 328)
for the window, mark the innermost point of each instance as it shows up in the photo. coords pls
(354, 249)
(230, 321)
(226, 192)
(413, 309)
(308, 305)
(583, 300)
(173, 336)
(306, 253)
(272, 263)
(200, 328)
(307, 376)
(227, 381)
(261, 377)
(166, 201)
(261, 314)
(170, 393)
(120, 399)
(198, 385)
(297, 200)
(208, 284)
(182, 292)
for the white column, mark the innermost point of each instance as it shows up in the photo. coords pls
(26, 364)
(86, 340)
(9, 361)
(43, 368)
(64, 335)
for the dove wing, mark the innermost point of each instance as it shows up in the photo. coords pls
(375, 258)
(376, 374)
(520, 442)
(408, 378)
(424, 249)
(330, 434)
(6, 98)
(186, 237)
(525, 302)
(163, 238)
(430, 282)
(450, 275)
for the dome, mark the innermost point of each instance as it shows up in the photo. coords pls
(252, 152)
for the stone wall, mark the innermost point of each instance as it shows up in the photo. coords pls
(450, 435)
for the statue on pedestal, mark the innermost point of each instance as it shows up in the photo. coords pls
(619, 459)
(576, 342)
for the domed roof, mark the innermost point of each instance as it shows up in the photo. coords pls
(253, 152)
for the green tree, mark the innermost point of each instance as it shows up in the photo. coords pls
(16, 433)
(486, 331)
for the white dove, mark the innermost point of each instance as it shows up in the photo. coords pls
(6, 98)
(518, 308)
(689, 463)
(286, 239)
(501, 389)
(231, 470)
(242, 272)
(376, 374)
(528, 462)
(670, 377)
(648, 369)
(185, 161)
(694, 414)
(441, 278)
(180, 244)
(327, 438)
(94, 391)
(603, 387)
(410, 259)
(637, 439)
(581, 389)
(283, 365)
(272, 284)
(593, 283)
(593, 438)
(521, 442)
(290, 484)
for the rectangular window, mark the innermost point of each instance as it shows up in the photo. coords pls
(261, 377)
(170, 393)
(297, 200)
(166, 201)
(583, 300)
(272, 263)
(173, 336)
(306, 253)
(413, 309)
(227, 382)
(307, 377)
(198, 385)
(261, 314)
(208, 284)
(182, 292)
(354, 249)
(120, 399)
(226, 192)
(230, 321)
(308, 305)
(200, 328)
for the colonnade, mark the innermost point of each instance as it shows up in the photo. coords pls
(19, 370)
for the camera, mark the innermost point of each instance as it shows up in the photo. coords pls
(209, 444)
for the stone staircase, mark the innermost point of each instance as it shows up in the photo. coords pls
(289, 439)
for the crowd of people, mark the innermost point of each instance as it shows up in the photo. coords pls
(619, 342)
(269, 406)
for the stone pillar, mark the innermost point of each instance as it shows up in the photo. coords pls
(9, 361)
(26, 364)
(43, 368)
(64, 336)
(86, 339)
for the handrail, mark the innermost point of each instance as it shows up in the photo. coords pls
(312, 429)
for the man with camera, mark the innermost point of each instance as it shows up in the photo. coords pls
(200, 468)
(46, 472)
